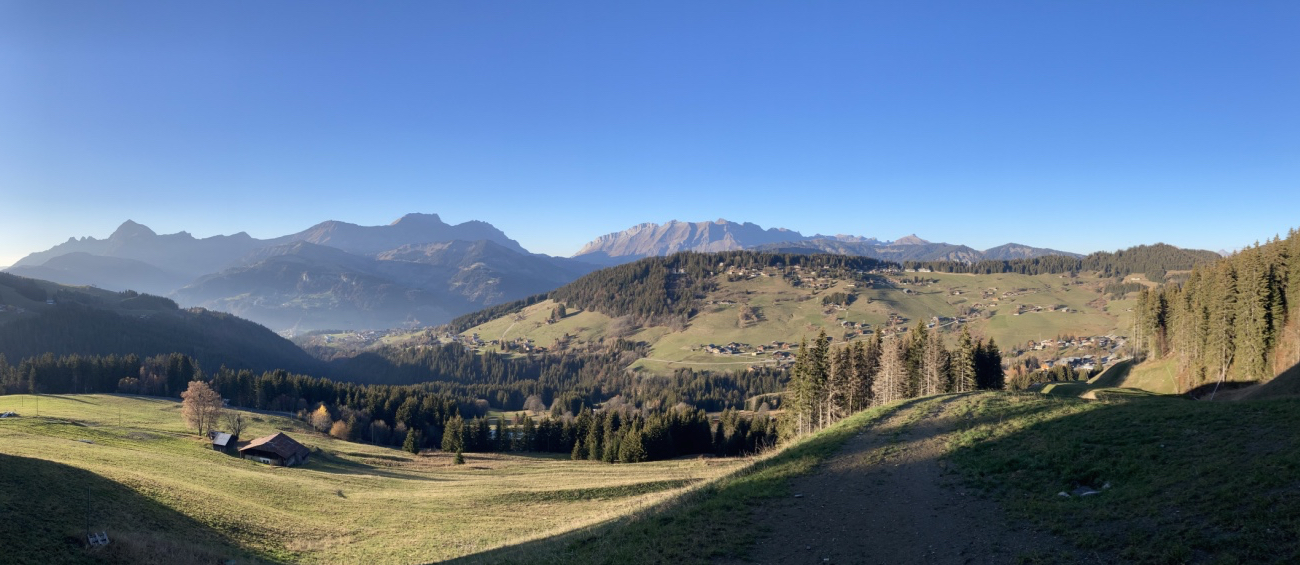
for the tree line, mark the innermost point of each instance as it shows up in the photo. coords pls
(1153, 260)
(1229, 319)
(656, 418)
(661, 290)
(613, 434)
(829, 383)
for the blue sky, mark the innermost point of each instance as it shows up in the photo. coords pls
(1073, 125)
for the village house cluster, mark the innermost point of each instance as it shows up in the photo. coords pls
(777, 349)
(1089, 351)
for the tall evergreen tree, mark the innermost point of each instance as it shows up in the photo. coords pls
(838, 393)
(913, 358)
(890, 382)
(1252, 327)
(963, 364)
(819, 377)
(988, 366)
(934, 366)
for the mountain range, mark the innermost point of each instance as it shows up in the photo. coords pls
(648, 240)
(416, 271)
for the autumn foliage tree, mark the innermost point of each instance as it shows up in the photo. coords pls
(201, 406)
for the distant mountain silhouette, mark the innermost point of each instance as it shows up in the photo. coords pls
(646, 240)
(649, 239)
(418, 270)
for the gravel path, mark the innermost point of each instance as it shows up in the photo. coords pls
(885, 498)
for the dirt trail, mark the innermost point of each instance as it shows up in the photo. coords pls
(885, 498)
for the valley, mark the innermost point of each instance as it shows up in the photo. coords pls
(647, 283)
(765, 316)
(165, 496)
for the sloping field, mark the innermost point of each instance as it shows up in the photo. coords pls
(160, 491)
(1010, 308)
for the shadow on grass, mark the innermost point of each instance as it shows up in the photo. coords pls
(1190, 482)
(892, 500)
(327, 462)
(44, 519)
(1286, 384)
(712, 522)
(64, 397)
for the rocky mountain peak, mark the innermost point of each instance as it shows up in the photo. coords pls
(910, 240)
(130, 229)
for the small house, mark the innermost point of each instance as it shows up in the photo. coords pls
(278, 449)
(222, 441)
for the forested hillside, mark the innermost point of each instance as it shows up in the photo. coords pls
(1232, 320)
(1152, 260)
(38, 317)
(661, 289)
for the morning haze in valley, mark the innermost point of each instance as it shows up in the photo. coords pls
(705, 283)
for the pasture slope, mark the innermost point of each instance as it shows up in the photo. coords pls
(988, 477)
(1010, 308)
(164, 497)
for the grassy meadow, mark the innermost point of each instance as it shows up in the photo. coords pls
(713, 522)
(1180, 481)
(788, 313)
(163, 496)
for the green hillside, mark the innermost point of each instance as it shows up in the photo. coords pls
(1174, 481)
(39, 317)
(164, 496)
(757, 307)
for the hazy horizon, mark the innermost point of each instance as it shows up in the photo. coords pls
(5, 263)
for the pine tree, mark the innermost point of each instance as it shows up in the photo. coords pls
(837, 386)
(414, 440)
(963, 364)
(632, 447)
(453, 434)
(988, 366)
(1223, 318)
(1252, 335)
(934, 366)
(819, 377)
(611, 442)
(914, 352)
(858, 391)
(890, 381)
(801, 389)
(1292, 272)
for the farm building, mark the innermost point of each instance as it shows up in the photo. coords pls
(222, 441)
(277, 449)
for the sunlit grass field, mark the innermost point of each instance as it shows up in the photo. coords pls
(787, 313)
(164, 495)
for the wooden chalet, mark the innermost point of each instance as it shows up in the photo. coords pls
(222, 441)
(276, 449)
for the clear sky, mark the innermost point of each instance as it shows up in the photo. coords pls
(1073, 125)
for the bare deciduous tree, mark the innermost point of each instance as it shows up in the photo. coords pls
(201, 406)
(234, 421)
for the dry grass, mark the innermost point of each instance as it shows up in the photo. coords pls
(353, 503)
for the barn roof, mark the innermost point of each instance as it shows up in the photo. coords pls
(221, 439)
(277, 443)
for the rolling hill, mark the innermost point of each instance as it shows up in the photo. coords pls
(39, 317)
(164, 496)
(734, 310)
